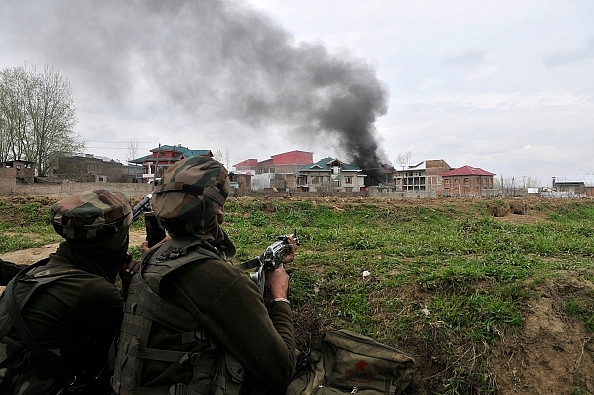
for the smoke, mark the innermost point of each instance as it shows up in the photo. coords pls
(212, 59)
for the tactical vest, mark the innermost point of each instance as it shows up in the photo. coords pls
(24, 363)
(214, 371)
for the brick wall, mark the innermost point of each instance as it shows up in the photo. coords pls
(7, 180)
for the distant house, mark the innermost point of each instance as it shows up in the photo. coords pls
(467, 181)
(15, 172)
(278, 172)
(160, 159)
(89, 168)
(579, 185)
(424, 176)
(330, 175)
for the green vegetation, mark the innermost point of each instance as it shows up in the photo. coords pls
(445, 282)
(445, 279)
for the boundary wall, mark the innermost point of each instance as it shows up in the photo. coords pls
(129, 189)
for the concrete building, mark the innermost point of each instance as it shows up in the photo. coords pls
(424, 176)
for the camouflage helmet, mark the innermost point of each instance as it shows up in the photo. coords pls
(91, 214)
(187, 198)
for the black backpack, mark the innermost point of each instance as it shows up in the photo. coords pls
(26, 367)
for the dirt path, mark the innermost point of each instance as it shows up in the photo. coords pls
(32, 255)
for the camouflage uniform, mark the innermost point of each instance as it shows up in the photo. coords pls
(222, 339)
(70, 303)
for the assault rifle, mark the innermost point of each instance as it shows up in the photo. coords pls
(270, 259)
(154, 230)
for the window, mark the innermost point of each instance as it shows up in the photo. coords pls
(348, 180)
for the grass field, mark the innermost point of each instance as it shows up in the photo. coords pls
(453, 283)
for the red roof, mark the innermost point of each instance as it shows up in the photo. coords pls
(293, 158)
(247, 162)
(467, 171)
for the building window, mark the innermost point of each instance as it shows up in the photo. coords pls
(348, 180)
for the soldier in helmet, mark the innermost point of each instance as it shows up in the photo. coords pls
(193, 322)
(59, 317)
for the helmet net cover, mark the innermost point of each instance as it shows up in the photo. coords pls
(188, 197)
(91, 214)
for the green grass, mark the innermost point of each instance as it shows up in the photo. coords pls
(443, 281)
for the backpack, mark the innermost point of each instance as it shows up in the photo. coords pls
(26, 367)
(215, 371)
(345, 362)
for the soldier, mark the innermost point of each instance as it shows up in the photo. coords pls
(59, 317)
(194, 323)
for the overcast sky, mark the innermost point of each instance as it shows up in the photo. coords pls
(503, 85)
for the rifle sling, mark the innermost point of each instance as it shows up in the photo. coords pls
(252, 263)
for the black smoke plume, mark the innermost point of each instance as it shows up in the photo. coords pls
(210, 59)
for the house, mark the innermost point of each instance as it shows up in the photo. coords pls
(330, 175)
(20, 171)
(13, 172)
(424, 176)
(578, 185)
(160, 159)
(89, 168)
(467, 181)
(278, 172)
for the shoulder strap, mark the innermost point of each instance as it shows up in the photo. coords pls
(48, 361)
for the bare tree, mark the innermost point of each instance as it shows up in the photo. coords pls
(13, 113)
(403, 159)
(223, 157)
(133, 146)
(38, 116)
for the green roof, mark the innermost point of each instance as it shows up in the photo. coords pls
(324, 166)
(183, 151)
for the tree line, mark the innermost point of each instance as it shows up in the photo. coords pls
(37, 117)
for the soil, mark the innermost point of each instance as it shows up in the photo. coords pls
(32, 255)
(551, 354)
